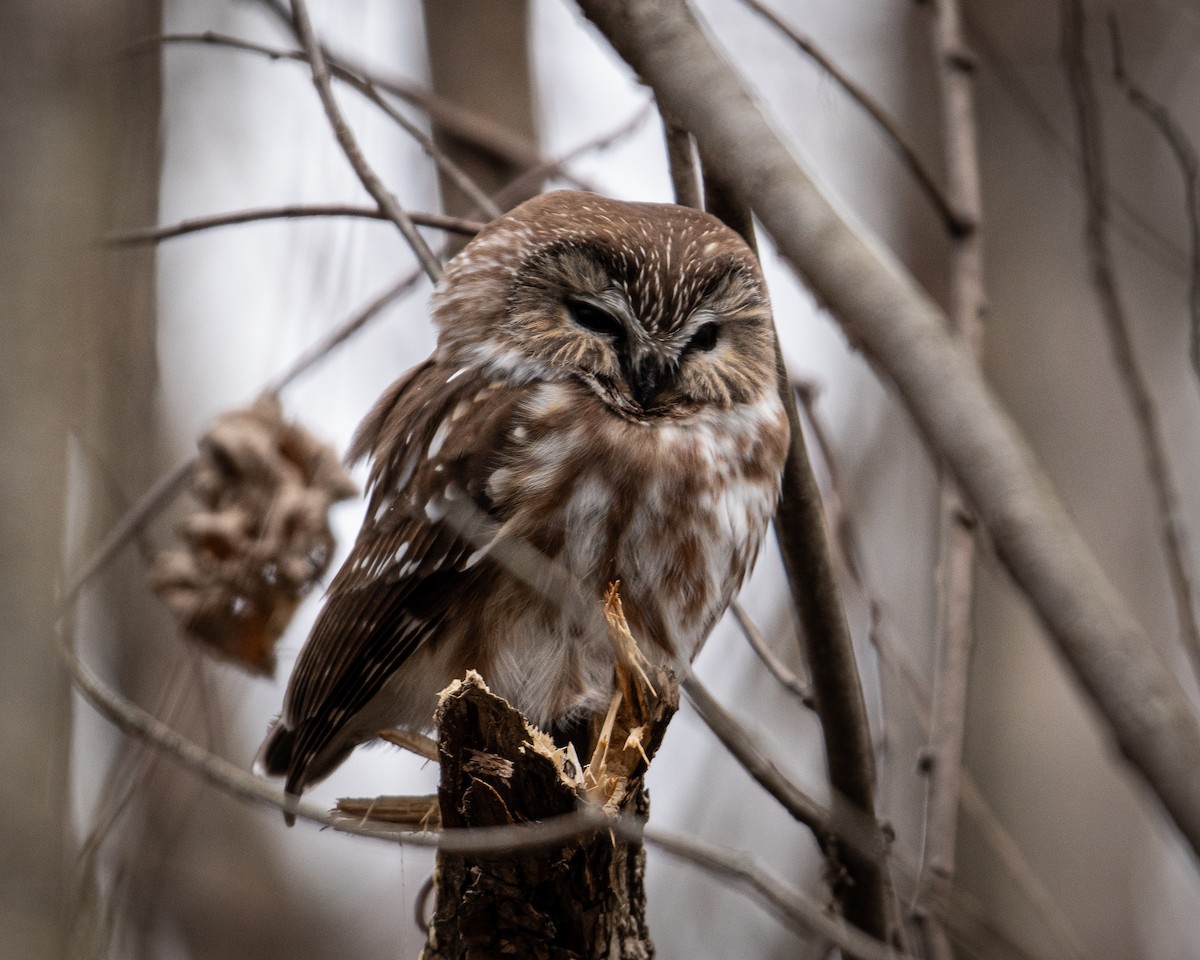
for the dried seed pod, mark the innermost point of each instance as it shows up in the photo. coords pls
(259, 539)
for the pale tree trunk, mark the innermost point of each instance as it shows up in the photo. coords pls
(479, 59)
(78, 144)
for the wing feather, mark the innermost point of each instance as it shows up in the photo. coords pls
(433, 439)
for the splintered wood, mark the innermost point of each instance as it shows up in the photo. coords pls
(624, 738)
(620, 750)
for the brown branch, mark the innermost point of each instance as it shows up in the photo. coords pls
(1116, 322)
(345, 137)
(786, 904)
(1184, 152)
(196, 224)
(681, 162)
(956, 219)
(904, 334)
(954, 65)
(450, 170)
(893, 655)
(865, 890)
(799, 688)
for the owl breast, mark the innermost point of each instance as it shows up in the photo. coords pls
(673, 508)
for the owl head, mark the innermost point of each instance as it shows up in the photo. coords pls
(660, 309)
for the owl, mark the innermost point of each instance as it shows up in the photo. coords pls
(601, 406)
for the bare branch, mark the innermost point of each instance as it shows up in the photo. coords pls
(196, 224)
(902, 332)
(865, 892)
(1184, 152)
(954, 65)
(1116, 322)
(955, 219)
(1140, 230)
(557, 166)
(893, 655)
(788, 905)
(681, 161)
(745, 748)
(775, 666)
(369, 179)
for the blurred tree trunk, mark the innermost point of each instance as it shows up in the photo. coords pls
(479, 58)
(78, 146)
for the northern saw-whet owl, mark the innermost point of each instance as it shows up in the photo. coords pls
(602, 405)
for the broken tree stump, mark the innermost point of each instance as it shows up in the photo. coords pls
(580, 899)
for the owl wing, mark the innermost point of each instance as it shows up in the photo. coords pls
(434, 438)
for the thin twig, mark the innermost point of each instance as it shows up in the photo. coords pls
(1184, 152)
(954, 65)
(170, 484)
(367, 176)
(1116, 321)
(132, 522)
(893, 655)
(557, 166)
(448, 168)
(534, 165)
(1140, 230)
(342, 332)
(747, 750)
(453, 119)
(955, 219)
(867, 895)
(787, 678)
(293, 211)
(788, 905)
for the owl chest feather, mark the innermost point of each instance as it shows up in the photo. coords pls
(673, 509)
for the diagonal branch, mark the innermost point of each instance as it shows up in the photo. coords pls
(1184, 152)
(786, 678)
(367, 176)
(956, 219)
(863, 887)
(903, 333)
(893, 655)
(1116, 322)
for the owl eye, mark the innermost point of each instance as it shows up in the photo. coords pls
(591, 317)
(704, 339)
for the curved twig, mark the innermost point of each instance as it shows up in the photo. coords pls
(801, 690)
(196, 224)
(788, 905)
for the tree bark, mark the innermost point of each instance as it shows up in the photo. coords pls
(583, 899)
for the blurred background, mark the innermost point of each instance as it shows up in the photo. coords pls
(117, 359)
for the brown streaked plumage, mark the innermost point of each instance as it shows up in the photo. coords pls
(601, 405)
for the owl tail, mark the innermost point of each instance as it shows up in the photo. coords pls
(274, 759)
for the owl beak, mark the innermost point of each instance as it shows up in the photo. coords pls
(650, 378)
